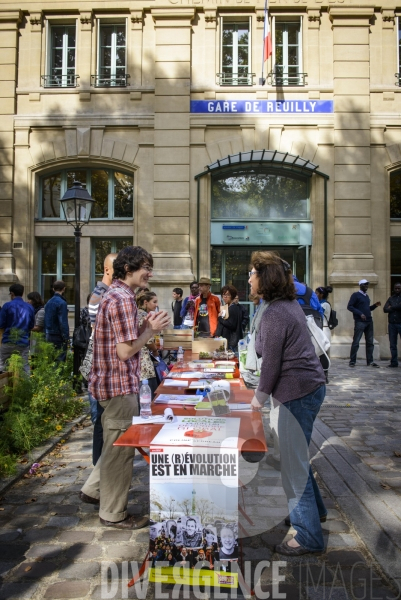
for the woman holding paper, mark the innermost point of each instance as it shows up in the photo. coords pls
(292, 373)
(230, 318)
(147, 302)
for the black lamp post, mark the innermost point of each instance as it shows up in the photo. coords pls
(77, 206)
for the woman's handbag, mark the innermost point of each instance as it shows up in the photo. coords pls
(81, 337)
(320, 342)
(86, 366)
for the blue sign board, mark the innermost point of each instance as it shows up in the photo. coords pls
(261, 106)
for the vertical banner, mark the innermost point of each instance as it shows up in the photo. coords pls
(194, 514)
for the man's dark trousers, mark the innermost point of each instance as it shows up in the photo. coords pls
(394, 330)
(362, 327)
(60, 344)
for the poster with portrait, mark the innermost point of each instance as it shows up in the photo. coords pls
(194, 501)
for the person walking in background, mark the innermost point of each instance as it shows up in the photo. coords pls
(322, 294)
(359, 305)
(93, 306)
(35, 299)
(17, 319)
(147, 302)
(114, 381)
(292, 373)
(207, 309)
(230, 318)
(56, 320)
(393, 310)
(188, 306)
(176, 307)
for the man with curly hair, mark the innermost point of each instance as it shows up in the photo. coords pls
(114, 382)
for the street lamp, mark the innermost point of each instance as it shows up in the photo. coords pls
(77, 206)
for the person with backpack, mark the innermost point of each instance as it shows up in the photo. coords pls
(322, 294)
(309, 302)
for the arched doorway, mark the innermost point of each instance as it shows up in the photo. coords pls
(260, 199)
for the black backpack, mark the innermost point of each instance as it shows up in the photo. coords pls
(306, 307)
(333, 321)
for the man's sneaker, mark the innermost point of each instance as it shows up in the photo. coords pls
(374, 365)
(352, 364)
(392, 366)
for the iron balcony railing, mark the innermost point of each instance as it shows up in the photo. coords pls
(284, 79)
(235, 79)
(58, 81)
(110, 80)
(398, 78)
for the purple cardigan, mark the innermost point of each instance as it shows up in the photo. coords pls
(290, 367)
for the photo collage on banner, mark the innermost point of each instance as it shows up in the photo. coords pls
(194, 512)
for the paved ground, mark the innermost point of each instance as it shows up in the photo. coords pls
(52, 545)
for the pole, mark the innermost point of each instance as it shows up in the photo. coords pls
(77, 234)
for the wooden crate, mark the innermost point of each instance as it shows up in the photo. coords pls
(4, 399)
(207, 345)
(173, 338)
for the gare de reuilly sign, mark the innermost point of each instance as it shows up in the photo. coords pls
(261, 106)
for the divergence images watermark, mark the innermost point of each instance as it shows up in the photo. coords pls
(263, 581)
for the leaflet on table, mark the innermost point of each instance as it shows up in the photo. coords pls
(186, 375)
(227, 369)
(175, 383)
(209, 432)
(177, 399)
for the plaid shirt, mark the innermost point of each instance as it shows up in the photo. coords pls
(116, 322)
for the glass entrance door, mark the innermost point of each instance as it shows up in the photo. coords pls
(230, 266)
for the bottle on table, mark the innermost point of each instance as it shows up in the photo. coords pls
(145, 399)
(242, 345)
(161, 342)
(180, 355)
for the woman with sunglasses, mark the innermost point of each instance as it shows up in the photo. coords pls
(292, 373)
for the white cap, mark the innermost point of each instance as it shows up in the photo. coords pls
(362, 281)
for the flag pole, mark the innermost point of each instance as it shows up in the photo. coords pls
(262, 80)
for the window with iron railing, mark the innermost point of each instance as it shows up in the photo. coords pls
(111, 56)
(235, 63)
(287, 61)
(61, 57)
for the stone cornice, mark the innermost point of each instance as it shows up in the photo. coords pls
(351, 16)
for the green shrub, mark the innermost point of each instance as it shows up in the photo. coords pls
(40, 402)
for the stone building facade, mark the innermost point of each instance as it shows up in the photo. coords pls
(162, 109)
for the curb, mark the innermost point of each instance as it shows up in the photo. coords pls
(357, 490)
(40, 452)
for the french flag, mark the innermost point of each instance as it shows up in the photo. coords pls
(267, 40)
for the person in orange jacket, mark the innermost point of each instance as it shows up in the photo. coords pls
(207, 309)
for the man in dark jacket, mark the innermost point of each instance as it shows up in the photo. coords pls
(393, 309)
(176, 307)
(56, 320)
(17, 318)
(359, 305)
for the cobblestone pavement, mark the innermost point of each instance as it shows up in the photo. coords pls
(53, 546)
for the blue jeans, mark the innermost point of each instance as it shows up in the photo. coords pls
(305, 503)
(394, 330)
(96, 418)
(362, 327)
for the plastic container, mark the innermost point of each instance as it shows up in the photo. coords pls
(145, 400)
(242, 345)
(180, 355)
